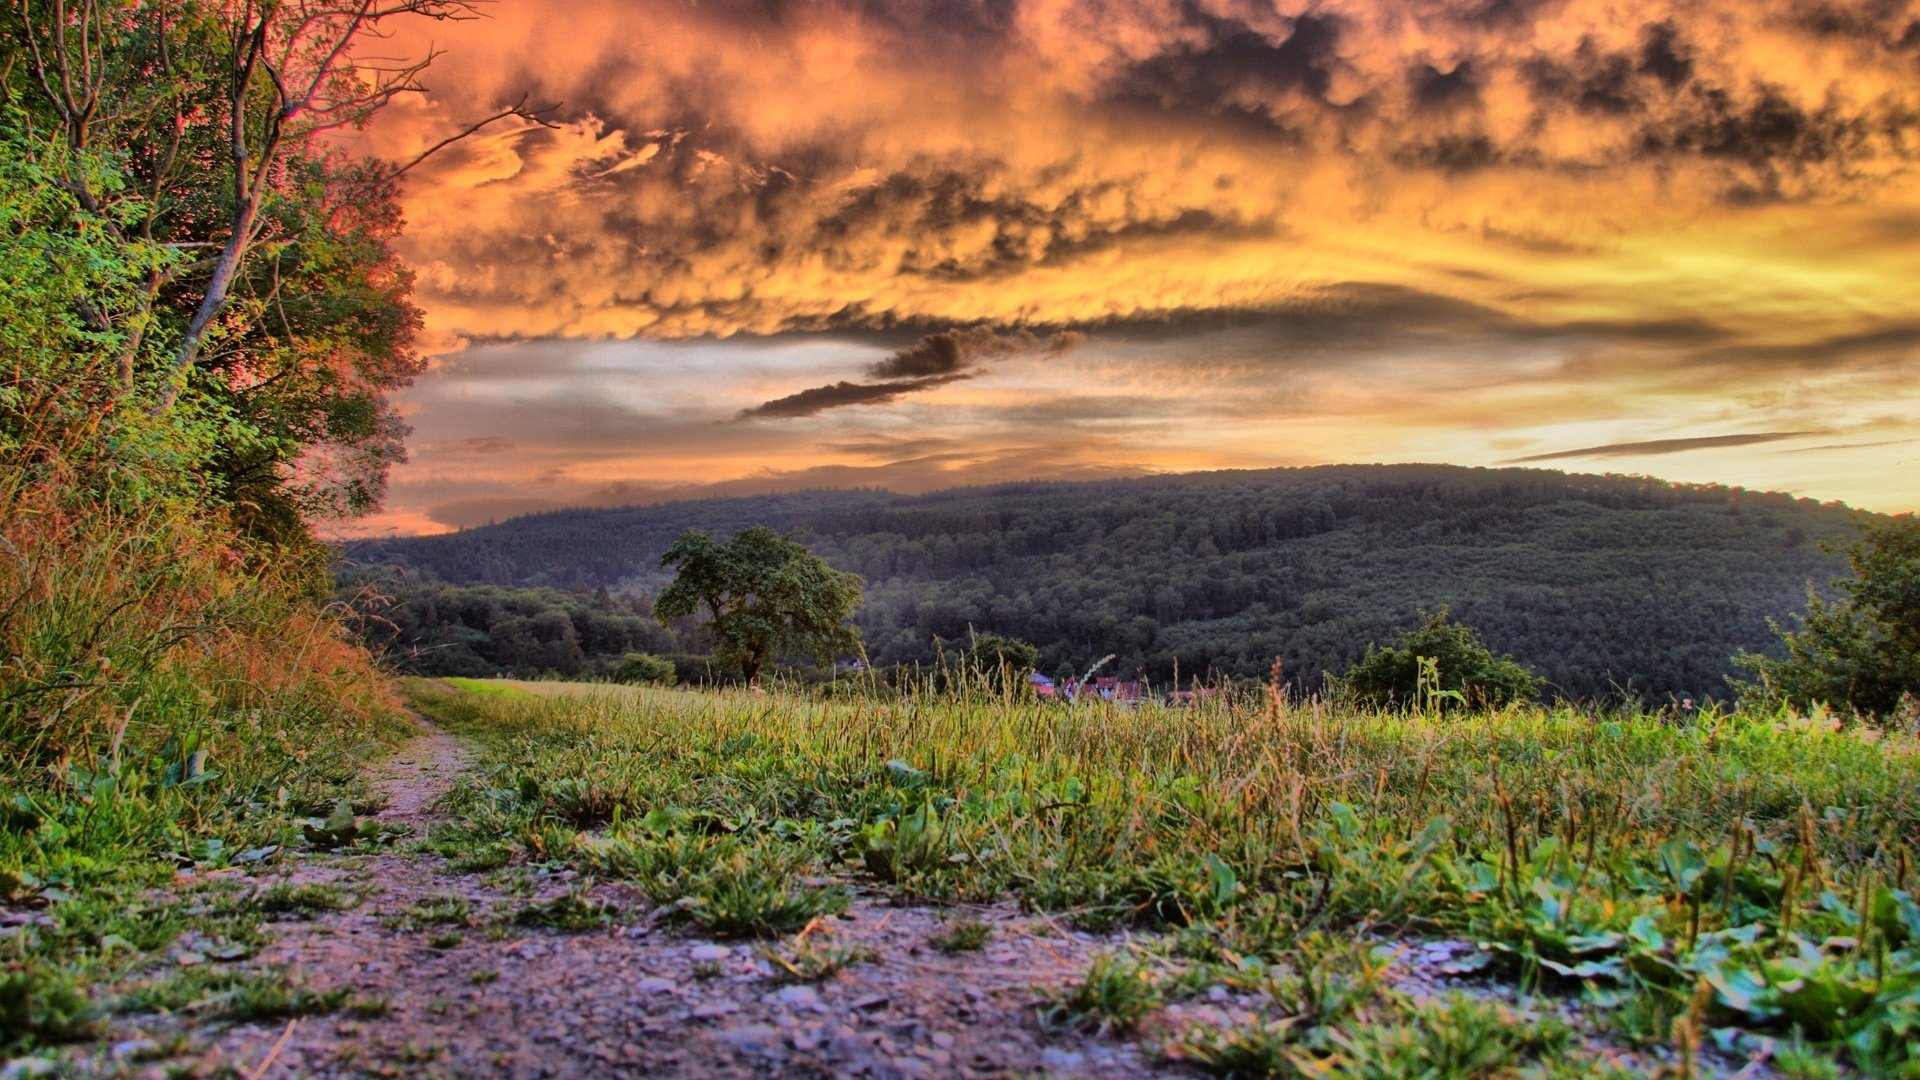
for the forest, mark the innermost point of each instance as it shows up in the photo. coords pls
(1605, 586)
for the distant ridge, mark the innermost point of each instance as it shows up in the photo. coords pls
(1601, 583)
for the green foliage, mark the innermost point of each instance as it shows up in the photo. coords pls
(998, 662)
(1746, 875)
(1115, 995)
(1438, 665)
(765, 595)
(962, 935)
(1862, 651)
(644, 668)
(1607, 587)
(487, 630)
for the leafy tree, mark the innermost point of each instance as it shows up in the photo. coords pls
(1862, 651)
(766, 596)
(1439, 661)
(248, 315)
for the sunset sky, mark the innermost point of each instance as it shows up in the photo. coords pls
(915, 244)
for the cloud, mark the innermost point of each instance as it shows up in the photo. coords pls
(732, 168)
(814, 401)
(953, 350)
(929, 363)
(1664, 446)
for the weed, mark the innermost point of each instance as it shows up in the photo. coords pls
(962, 935)
(442, 910)
(368, 1006)
(571, 911)
(810, 962)
(1115, 995)
(303, 901)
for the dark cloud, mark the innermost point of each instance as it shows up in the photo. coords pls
(1664, 446)
(818, 399)
(955, 350)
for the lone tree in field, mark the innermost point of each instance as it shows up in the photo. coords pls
(1439, 662)
(1862, 651)
(766, 596)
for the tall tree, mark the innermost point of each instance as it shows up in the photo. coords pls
(1860, 652)
(765, 596)
(266, 316)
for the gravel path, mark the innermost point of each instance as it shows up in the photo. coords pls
(476, 998)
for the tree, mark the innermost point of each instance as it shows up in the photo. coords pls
(1862, 651)
(1439, 662)
(259, 315)
(765, 595)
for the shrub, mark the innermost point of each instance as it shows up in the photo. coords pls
(1440, 664)
(638, 668)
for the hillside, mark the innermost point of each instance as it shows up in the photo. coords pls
(1599, 583)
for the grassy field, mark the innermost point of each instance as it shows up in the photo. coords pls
(1737, 887)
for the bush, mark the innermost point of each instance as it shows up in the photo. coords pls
(1440, 664)
(645, 668)
(1861, 652)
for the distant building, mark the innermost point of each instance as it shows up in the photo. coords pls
(1043, 687)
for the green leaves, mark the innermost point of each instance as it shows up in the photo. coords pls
(766, 596)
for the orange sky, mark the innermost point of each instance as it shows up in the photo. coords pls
(915, 244)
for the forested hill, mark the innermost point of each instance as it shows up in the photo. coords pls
(1598, 583)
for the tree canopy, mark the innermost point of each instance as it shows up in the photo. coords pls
(765, 595)
(1861, 651)
(207, 297)
(1439, 663)
(1602, 585)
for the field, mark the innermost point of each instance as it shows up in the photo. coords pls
(1370, 894)
(584, 880)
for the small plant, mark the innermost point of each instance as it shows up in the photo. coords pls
(38, 1004)
(342, 829)
(444, 941)
(369, 1006)
(303, 901)
(962, 935)
(808, 962)
(484, 977)
(442, 910)
(1116, 994)
(571, 911)
(758, 895)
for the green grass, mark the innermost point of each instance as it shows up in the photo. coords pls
(1751, 873)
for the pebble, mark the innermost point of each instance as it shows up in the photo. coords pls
(714, 1009)
(707, 954)
(1055, 1058)
(943, 1040)
(654, 984)
(133, 1048)
(761, 1039)
(798, 995)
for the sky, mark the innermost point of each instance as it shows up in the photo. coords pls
(775, 245)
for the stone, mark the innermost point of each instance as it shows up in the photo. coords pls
(760, 1039)
(710, 954)
(1055, 1058)
(798, 995)
(654, 984)
(713, 1009)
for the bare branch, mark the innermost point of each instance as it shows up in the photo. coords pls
(518, 109)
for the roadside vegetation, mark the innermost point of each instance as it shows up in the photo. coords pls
(1737, 887)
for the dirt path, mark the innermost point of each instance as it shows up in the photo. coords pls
(445, 984)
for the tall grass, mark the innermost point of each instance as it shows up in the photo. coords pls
(169, 697)
(1747, 870)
